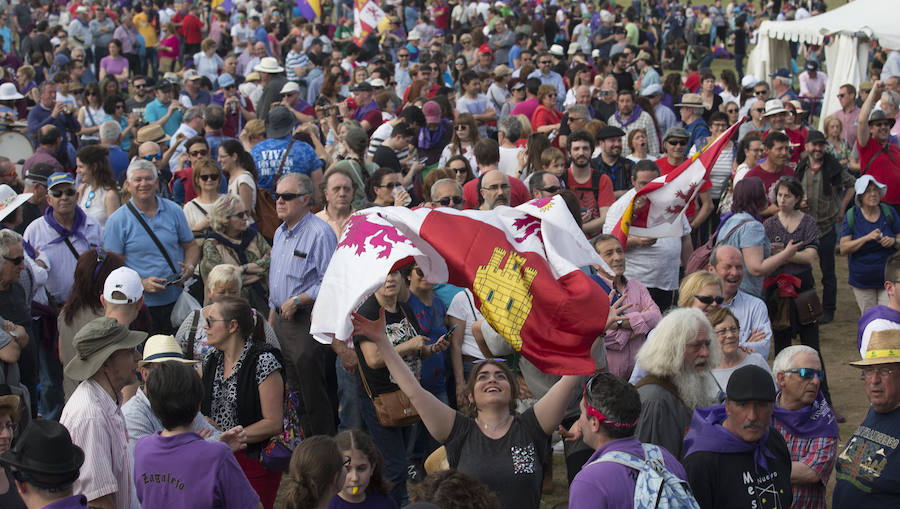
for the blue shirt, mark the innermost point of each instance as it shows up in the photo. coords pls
(868, 469)
(867, 263)
(290, 274)
(553, 79)
(432, 323)
(125, 235)
(698, 132)
(748, 235)
(267, 155)
(156, 110)
(118, 159)
(7, 38)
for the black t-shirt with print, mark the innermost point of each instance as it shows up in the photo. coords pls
(399, 329)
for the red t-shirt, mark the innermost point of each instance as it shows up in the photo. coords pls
(442, 16)
(193, 29)
(518, 193)
(885, 168)
(665, 168)
(769, 179)
(798, 141)
(590, 200)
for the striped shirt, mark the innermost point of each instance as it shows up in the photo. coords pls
(96, 424)
(294, 60)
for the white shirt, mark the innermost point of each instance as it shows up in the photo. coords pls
(97, 425)
(463, 308)
(509, 160)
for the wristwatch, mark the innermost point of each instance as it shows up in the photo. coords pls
(296, 301)
(618, 324)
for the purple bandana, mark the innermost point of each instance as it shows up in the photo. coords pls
(634, 116)
(364, 110)
(428, 139)
(708, 434)
(812, 421)
(872, 314)
(77, 226)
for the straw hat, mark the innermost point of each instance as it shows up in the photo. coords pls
(162, 348)
(883, 348)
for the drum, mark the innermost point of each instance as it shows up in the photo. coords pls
(17, 147)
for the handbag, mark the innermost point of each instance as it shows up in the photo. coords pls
(392, 409)
(809, 307)
(186, 303)
(700, 257)
(266, 217)
(276, 455)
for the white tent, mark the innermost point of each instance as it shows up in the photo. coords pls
(850, 28)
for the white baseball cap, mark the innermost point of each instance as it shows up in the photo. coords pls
(125, 281)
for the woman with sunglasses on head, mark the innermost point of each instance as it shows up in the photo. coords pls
(728, 331)
(232, 242)
(98, 194)
(493, 444)
(465, 136)
(91, 115)
(382, 189)
(206, 178)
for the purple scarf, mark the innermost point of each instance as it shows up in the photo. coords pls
(812, 421)
(872, 314)
(428, 139)
(77, 226)
(364, 110)
(708, 434)
(634, 116)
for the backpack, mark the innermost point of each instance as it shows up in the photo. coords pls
(886, 210)
(595, 183)
(656, 486)
(700, 257)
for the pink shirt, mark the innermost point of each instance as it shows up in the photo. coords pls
(812, 87)
(849, 121)
(97, 425)
(172, 44)
(622, 345)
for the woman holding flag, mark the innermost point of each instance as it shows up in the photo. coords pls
(502, 449)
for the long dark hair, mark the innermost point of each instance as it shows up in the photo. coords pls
(89, 279)
(96, 158)
(244, 159)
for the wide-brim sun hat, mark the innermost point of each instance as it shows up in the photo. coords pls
(96, 342)
(163, 348)
(10, 200)
(863, 183)
(883, 348)
(268, 65)
(8, 92)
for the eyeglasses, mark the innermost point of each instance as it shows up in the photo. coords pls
(445, 201)
(709, 299)
(242, 214)
(15, 261)
(680, 143)
(68, 192)
(287, 196)
(496, 187)
(806, 373)
(869, 372)
(732, 110)
(462, 127)
(209, 176)
(727, 331)
(152, 157)
(199, 153)
(390, 185)
(101, 259)
(542, 62)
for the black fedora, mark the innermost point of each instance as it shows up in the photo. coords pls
(45, 454)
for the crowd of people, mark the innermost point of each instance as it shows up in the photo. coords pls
(193, 167)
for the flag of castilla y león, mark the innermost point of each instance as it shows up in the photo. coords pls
(522, 265)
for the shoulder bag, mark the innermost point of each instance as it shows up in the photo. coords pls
(266, 217)
(700, 257)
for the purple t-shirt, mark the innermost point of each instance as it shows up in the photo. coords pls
(372, 501)
(114, 65)
(608, 484)
(185, 471)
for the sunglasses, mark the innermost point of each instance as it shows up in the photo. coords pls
(461, 169)
(759, 110)
(461, 127)
(402, 56)
(435, 69)
(550, 189)
(680, 143)
(759, 92)
(67, 192)
(709, 299)
(141, 85)
(390, 185)
(286, 196)
(806, 373)
(445, 201)
(199, 153)
(242, 214)
(731, 111)
(209, 176)
(15, 261)
(151, 157)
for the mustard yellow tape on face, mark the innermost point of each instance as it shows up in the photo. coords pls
(878, 354)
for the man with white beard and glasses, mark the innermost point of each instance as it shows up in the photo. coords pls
(677, 357)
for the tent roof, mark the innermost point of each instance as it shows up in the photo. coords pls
(861, 15)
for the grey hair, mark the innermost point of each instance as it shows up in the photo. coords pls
(448, 181)
(222, 275)
(304, 183)
(192, 113)
(891, 96)
(785, 81)
(223, 207)
(581, 110)
(663, 353)
(7, 238)
(110, 131)
(510, 127)
(140, 164)
(784, 361)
